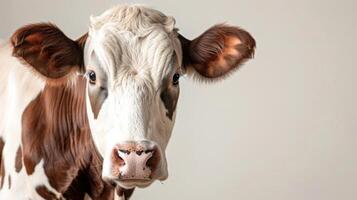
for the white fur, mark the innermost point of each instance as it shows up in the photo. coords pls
(136, 48)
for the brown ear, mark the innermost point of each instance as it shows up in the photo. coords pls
(218, 51)
(47, 49)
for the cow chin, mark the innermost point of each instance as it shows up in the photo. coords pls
(132, 183)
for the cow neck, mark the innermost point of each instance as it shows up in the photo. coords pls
(56, 131)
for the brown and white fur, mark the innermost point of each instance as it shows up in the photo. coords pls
(121, 80)
(47, 150)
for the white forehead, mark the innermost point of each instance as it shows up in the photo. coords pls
(134, 38)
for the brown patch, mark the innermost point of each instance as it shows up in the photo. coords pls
(218, 50)
(45, 193)
(97, 99)
(2, 175)
(2, 144)
(9, 179)
(2, 167)
(97, 189)
(169, 96)
(18, 160)
(55, 129)
(47, 49)
(88, 181)
(126, 193)
(54, 125)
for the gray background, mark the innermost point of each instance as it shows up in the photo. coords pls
(282, 128)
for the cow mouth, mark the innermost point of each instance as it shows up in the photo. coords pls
(131, 183)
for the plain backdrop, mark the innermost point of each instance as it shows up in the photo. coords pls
(282, 128)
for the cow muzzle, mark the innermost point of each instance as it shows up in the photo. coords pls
(135, 163)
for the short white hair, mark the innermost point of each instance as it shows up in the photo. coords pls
(107, 30)
(133, 18)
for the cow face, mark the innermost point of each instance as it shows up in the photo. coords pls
(134, 58)
(133, 63)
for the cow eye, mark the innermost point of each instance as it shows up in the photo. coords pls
(175, 79)
(92, 77)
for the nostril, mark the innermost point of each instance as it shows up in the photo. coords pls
(124, 151)
(121, 175)
(139, 153)
(154, 160)
(149, 151)
(117, 159)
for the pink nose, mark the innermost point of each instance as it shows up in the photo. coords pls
(134, 161)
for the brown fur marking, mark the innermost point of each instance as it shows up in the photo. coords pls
(45, 193)
(124, 192)
(2, 167)
(18, 160)
(169, 96)
(55, 128)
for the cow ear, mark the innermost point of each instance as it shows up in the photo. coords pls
(217, 52)
(47, 49)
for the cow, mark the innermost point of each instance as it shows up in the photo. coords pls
(81, 117)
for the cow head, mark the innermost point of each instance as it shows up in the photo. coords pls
(133, 60)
